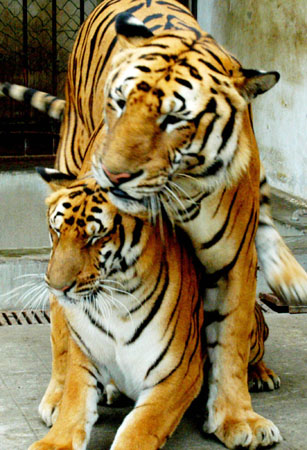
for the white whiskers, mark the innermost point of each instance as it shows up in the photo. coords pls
(32, 294)
(182, 192)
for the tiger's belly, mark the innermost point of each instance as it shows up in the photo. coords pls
(126, 365)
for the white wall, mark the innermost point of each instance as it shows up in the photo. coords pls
(23, 222)
(271, 35)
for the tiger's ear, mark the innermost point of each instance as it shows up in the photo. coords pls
(56, 180)
(131, 32)
(255, 82)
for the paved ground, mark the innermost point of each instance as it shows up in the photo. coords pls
(25, 370)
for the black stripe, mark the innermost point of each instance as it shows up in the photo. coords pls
(185, 83)
(143, 68)
(214, 316)
(28, 94)
(227, 131)
(93, 44)
(219, 204)
(211, 170)
(265, 200)
(211, 279)
(164, 351)
(253, 231)
(210, 108)
(208, 132)
(263, 181)
(121, 242)
(181, 98)
(152, 292)
(180, 361)
(78, 338)
(107, 56)
(177, 302)
(6, 89)
(196, 311)
(156, 45)
(91, 373)
(217, 59)
(213, 344)
(218, 236)
(193, 210)
(155, 28)
(173, 7)
(152, 17)
(264, 224)
(94, 322)
(152, 312)
(137, 231)
(193, 71)
(210, 66)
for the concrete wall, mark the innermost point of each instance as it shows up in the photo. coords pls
(23, 214)
(270, 35)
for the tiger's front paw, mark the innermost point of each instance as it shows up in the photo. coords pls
(251, 431)
(261, 378)
(77, 440)
(49, 406)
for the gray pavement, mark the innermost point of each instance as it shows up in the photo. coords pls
(25, 369)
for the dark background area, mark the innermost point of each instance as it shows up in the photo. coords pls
(36, 38)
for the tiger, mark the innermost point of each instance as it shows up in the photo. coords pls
(161, 114)
(164, 112)
(132, 301)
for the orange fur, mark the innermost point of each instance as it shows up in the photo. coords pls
(72, 382)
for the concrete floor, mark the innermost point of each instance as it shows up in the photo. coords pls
(25, 370)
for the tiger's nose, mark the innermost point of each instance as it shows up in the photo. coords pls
(63, 286)
(116, 178)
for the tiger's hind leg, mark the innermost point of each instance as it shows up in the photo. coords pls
(49, 405)
(260, 377)
(78, 406)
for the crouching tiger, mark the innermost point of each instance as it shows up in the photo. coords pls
(133, 305)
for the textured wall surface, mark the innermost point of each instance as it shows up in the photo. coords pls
(271, 35)
(23, 222)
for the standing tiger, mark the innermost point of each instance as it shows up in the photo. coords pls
(164, 110)
(133, 306)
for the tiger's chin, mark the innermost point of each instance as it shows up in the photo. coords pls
(128, 204)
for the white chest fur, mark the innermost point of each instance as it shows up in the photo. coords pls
(109, 348)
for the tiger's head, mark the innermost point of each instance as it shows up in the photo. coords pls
(95, 249)
(174, 113)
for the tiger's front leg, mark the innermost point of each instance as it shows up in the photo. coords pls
(159, 410)
(78, 406)
(49, 405)
(229, 313)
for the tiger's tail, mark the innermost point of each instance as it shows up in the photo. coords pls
(285, 276)
(43, 101)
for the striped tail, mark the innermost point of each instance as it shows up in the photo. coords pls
(43, 101)
(285, 276)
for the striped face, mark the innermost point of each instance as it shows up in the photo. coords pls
(174, 108)
(92, 243)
